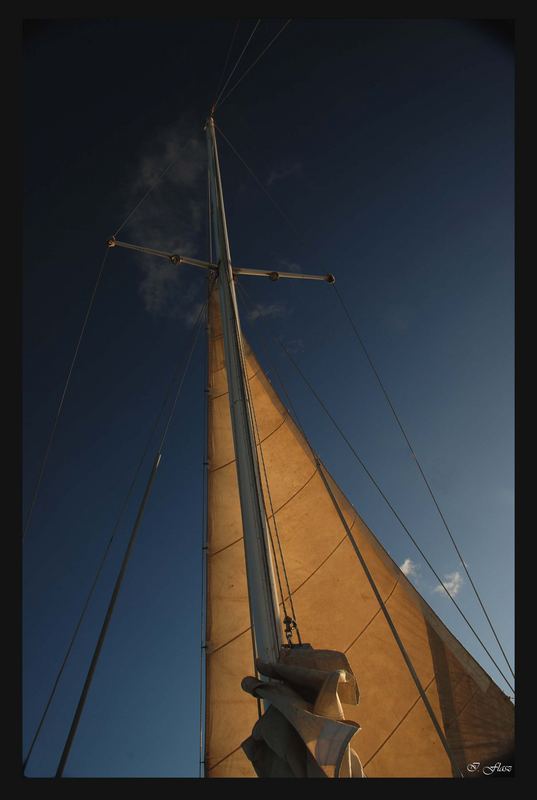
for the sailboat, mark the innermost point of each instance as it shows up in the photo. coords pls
(361, 678)
(321, 657)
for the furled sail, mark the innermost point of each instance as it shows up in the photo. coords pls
(336, 609)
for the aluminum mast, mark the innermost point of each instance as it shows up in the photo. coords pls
(259, 567)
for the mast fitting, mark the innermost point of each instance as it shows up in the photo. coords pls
(290, 626)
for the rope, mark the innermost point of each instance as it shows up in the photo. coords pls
(422, 473)
(384, 497)
(256, 430)
(256, 427)
(249, 402)
(244, 74)
(60, 406)
(119, 580)
(236, 64)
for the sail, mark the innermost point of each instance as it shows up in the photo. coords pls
(335, 608)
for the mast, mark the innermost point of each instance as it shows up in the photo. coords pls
(259, 567)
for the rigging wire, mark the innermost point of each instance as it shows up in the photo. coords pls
(58, 413)
(244, 74)
(102, 562)
(146, 195)
(209, 218)
(291, 224)
(227, 59)
(379, 489)
(236, 64)
(382, 604)
(126, 557)
(60, 406)
(205, 459)
(422, 473)
(250, 400)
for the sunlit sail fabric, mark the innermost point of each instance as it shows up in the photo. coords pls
(335, 609)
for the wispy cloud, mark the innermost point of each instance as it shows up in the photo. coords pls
(179, 144)
(171, 218)
(267, 310)
(409, 568)
(283, 172)
(452, 583)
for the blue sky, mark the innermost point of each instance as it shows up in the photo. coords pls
(389, 145)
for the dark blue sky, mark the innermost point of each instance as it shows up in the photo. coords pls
(389, 145)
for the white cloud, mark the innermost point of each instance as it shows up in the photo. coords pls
(171, 218)
(452, 582)
(409, 568)
(180, 144)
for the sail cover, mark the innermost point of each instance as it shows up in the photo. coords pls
(335, 609)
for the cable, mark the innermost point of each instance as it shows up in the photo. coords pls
(446, 526)
(102, 562)
(204, 538)
(250, 402)
(91, 671)
(60, 406)
(146, 195)
(394, 413)
(227, 58)
(236, 64)
(273, 515)
(244, 74)
(387, 616)
(392, 627)
(386, 500)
